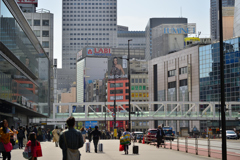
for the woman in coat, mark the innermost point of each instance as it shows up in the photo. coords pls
(83, 131)
(56, 134)
(26, 138)
(5, 134)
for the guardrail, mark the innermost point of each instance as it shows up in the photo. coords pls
(197, 145)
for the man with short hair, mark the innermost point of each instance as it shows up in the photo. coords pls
(160, 135)
(96, 136)
(73, 138)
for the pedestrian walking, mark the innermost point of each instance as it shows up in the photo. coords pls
(56, 134)
(43, 134)
(83, 131)
(34, 129)
(5, 134)
(35, 146)
(119, 134)
(70, 141)
(160, 135)
(96, 137)
(39, 134)
(13, 136)
(20, 137)
(49, 135)
(25, 139)
(127, 134)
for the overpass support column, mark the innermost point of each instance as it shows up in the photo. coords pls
(86, 111)
(197, 109)
(54, 111)
(70, 110)
(230, 110)
(214, 109)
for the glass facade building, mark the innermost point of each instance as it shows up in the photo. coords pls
(209, 65)
(24, 68)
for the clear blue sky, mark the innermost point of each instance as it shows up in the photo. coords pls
(136, 13)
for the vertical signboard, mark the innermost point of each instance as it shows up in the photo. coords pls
(117, 68)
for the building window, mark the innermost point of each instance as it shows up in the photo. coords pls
(127, 91)
(171, 73)
(127, 97)
(183, 82)
(45, 44)
(37, 33)
(172, 85)
(182, 70)
(136, 80)
(140, 80)
(112, 85)
(127, 84)
(45, 22)
(36, 22)
(45, 33)
(119, 91)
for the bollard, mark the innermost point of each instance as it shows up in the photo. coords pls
(209, 154)
(170, 144)
(196, 146)
(186, 144)
(177, 143)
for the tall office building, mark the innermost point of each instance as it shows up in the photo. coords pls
(85, 23)
(154, 22)
(214, 5)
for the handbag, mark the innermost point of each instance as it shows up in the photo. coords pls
(8, 147)
(71, 153)
(27, 153)
(121, 147)
(39, 150)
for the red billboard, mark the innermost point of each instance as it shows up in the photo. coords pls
(119, 124)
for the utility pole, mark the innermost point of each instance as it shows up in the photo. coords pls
(224, 143)
(129, 78)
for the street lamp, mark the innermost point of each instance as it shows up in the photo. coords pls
(129, 99)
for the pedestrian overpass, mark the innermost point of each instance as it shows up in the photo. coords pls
(165, 110)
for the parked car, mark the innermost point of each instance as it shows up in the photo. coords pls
(138, 135)
(169, 135)
(151, 136)
(231, 134)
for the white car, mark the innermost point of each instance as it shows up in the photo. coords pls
(231, 134)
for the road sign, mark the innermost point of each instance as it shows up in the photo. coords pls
(113, 114)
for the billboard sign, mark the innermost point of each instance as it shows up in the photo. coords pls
(102, 52)
(91, 124)
(117, 68)
(27, 1)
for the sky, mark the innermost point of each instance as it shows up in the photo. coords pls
(136, 13)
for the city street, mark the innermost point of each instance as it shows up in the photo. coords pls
(111, 152)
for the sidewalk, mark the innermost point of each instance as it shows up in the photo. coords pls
(111, 152)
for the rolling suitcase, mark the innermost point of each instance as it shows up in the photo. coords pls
(100, 147)
(135, 149)
(87, 147)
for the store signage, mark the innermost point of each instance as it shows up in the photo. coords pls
(182, 29)
(99, 52)
(117, 98)
(27, 1)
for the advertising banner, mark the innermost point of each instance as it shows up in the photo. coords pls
(91, 124)
(117, 68)
(101, 52)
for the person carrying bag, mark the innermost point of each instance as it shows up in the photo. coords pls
(72, 154)
(70, 141)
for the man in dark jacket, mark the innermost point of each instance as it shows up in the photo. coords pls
(70, 138)
(96, 136)
(160, 135)
(20, 137)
